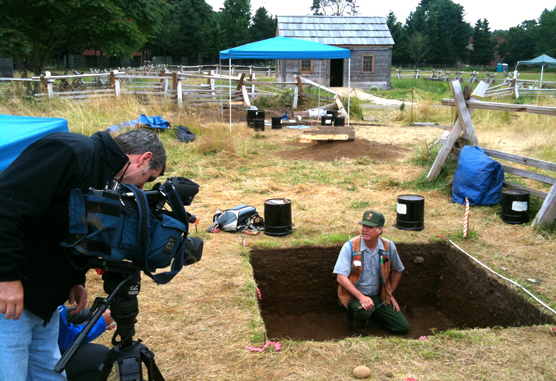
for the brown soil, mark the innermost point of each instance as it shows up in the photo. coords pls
(299, 298)
(335, 150)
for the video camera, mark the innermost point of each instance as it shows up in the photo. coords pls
(149, 228)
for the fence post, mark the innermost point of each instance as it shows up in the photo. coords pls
(49, 82)
(268, 75)
(250, 69)
(179, 92)
(212, 85)
(163, 74)
(115, 83)
(252, 79)
(232, 68)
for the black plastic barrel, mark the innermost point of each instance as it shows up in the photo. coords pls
(340, 121)
(258, 124)
(327, 120)
(276, 122)
(515, 205)
(410, 212)
(277, 217)
(252, 115)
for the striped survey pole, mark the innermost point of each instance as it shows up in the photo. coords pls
(466, 218)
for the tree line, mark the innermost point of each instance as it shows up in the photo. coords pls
(435, 34)
(36, 32)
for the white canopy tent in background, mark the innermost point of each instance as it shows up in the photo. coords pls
(284, 48)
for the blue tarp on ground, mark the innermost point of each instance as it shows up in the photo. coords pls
(477, 177)
(285, 48)
(18, 132)
(150, 121)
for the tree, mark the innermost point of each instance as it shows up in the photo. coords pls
(335, 7)
(483, 44)
(263, 26)
(34, 31)
(546, 33)
(417, 48)
(520, 43)
(234, 22)
(399, 51)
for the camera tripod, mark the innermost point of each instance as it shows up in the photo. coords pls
(122, 281)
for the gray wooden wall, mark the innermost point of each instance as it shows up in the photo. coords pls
(286, 69)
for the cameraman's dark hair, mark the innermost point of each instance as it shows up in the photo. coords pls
(137, 142)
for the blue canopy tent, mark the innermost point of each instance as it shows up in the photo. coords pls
(18, 132)
(542, 61)
(285, 48)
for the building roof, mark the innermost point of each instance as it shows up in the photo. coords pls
(336, 30)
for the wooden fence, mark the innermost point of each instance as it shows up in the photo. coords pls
(464, 126)
(513, 86)
(447, 75)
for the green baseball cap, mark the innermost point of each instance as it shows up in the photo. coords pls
(372, 218)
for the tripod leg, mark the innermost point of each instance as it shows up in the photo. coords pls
(148, 359)
(106, 368)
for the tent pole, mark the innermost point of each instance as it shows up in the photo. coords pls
(220, 82)
(320, 84)
(542, 72)
(349, 87)
(230, 89)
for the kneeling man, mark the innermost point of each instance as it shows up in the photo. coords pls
(368, 271)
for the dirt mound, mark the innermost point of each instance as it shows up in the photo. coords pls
(334, 150)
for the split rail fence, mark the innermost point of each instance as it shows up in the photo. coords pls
(464, 128)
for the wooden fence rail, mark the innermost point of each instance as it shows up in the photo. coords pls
(465, 108)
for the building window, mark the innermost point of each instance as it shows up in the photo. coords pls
(368, 64)
(306, 66)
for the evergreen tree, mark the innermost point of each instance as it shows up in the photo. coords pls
(234, 22)
(483, 44)
(520, 43)
(545, 34)
(263, 26)
(399, 51)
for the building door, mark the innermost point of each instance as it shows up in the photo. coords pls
(337, 73)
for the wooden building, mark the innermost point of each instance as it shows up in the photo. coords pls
(368, 38)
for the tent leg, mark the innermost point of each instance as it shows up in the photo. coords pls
(230, 90)
(349, 88)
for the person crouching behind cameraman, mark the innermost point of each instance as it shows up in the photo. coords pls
(34, 220)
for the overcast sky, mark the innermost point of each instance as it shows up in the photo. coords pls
(500, 14)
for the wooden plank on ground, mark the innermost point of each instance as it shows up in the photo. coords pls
(454, 134)
(547, 214)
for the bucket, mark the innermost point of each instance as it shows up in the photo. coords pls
(411, 212)
(340, 121)
(276, 122)
(327, 120)
(252, 115)
(515, 205)
(277, 217)
(258, 124)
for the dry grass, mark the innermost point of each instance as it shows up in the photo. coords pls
(198, 324)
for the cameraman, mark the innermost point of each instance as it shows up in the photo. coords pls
(36, 275)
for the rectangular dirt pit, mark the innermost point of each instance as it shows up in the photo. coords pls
(440, 289)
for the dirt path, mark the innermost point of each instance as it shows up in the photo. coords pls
(362, 95)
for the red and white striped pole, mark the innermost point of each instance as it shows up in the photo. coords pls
(466, 218)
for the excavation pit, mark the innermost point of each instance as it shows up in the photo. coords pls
(440, 289)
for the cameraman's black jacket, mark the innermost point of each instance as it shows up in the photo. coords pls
(34, 206)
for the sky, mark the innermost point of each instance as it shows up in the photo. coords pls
(500, 14)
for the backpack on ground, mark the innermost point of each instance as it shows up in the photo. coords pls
(237, 219)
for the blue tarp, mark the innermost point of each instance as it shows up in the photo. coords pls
(150, 121)
(18, 132)
(539, 61)
(285, 48)
(477, 177)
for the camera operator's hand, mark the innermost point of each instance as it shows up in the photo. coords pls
(108, 319)
(78, 295)
(11, 299)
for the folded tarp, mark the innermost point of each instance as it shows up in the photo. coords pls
(18, 132)
(149, 121)
(477, 177)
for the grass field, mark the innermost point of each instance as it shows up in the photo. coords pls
(198, 324)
